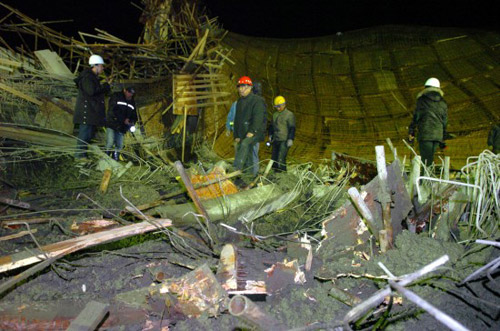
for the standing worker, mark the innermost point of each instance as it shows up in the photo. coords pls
(121, 118)
(90, 108)
(249, 124)
(281, 133)
(429, 120)
(257, 90)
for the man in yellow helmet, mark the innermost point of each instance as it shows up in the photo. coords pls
(281, 133)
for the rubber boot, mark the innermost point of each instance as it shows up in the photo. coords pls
(116, 156)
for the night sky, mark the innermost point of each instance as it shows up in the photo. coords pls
(270, 18)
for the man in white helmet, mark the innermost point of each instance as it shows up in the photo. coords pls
(90, 108)
(429, 120)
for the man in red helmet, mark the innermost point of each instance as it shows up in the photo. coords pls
(249, 123)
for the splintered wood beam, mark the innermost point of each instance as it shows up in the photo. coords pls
(20, 94)
(17, 235)
(69, 246)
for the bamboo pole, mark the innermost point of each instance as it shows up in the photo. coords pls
(184, 134)
(373, 301)
(194, 196)
(385, 194)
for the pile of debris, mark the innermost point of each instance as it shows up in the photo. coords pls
(147, 244)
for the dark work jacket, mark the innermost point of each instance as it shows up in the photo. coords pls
(283, 126)
(119, 109)
(494, 138)
(431, 115)
(90, 108)
(250, 116)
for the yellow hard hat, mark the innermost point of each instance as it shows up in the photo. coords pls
(279, 100)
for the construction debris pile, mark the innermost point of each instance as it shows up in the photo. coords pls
(153, 243)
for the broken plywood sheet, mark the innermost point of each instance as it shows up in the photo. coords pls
(54, 64)
(344, 227)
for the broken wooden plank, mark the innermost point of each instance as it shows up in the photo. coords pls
(17, 235)
(69, 246)
(90, 317)
(15, 203)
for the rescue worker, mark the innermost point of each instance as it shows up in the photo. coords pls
(429, 120)
(121, 118)
(249, 124)
(89, 108)
(494, 138)
(257, 90)
(281, 133)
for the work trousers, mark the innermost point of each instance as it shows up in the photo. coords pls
(280, 150)
(427, 148)
(114, 138)
(85, 133)
(255, 158)
(244, 158)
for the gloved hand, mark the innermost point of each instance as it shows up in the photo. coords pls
(228, 133)
(289, 143)
(443, 146)
(411, 139)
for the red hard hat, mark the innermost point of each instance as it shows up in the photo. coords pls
(245, 80)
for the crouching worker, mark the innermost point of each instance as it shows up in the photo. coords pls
(121, 118)
(281, 133)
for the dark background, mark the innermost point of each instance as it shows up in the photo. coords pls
(270, 18)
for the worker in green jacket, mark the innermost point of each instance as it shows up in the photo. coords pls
(429, 120)
(281, 133)
(494, 138)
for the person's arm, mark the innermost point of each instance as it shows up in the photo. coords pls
(92, 87)
(445, 121)
(133, 114)
(291, 127)
(230, 117)
(258, 113)
(413, 125)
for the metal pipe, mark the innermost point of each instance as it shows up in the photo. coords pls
(247, 311)
(436, 313)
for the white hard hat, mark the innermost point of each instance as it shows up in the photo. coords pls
(95, 59)
(434, 82)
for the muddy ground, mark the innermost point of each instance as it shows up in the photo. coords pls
(120, 273)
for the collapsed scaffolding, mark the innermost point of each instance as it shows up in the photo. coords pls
(319, 221)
